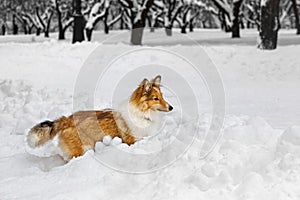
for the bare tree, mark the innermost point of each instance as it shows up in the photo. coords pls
(270, 24)
(182, 18)
(19, 9)
(98, 12)
(45, 19)
(28, 16)
(225, 14)
(3, 16)
(194, 13)
(23, 22)
(64, 16)
(155, 17)
(208, 15)
(187, 15)
(137, 11)
(285, 9)
(113, 15)
(251, 13)
(172, 8)
(102, 11)
(33, 22)
(295, 9)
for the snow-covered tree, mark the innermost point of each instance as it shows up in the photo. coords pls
(97, 12)
(45, 19)
(194, 14)
(23, 14)
(251, 13)
(225, 14)
(64, 16)
(32, 21)
(137, 11)
(208, 15)
(155, 17)
(183, 18)
(105, 10)
(171, 8)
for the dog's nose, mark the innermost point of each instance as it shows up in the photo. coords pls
(170, 108)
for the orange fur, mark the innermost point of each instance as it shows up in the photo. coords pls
(83, 129)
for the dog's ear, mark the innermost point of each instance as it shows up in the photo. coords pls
(146, 85)
(156, 81)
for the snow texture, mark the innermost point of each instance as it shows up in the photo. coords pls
(257, 157)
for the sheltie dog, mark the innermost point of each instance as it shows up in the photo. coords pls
(79, 132)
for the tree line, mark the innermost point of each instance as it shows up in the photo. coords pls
(83, 16)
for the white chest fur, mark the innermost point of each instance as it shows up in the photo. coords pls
(141, 124)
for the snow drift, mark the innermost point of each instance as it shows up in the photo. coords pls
(252, 159)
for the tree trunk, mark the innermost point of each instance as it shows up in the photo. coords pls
(25, 28)
(249, 25)
(122, 23)
(15, 26)
(236, 21)
(38, 31)
(191, 27)
(46, 34)
(269, 24)
(295, 9)
(137, 34)
(78, 29)
(30, 29)
(3, 29)
(88, 33)
(61, 33)
(183, 29)
(168, 31)
(79, 22)
(40, 21)
(106, 27)
(242, 25)
(47, 29)
(151, 22)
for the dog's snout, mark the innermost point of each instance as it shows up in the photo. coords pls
(170, 108)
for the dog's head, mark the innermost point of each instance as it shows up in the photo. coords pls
(148, 96)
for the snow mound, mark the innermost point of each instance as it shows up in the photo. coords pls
(249, 157)
(292, 135)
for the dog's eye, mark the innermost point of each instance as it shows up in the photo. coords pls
(156, 99)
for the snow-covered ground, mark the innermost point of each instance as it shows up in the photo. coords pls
(256, 157)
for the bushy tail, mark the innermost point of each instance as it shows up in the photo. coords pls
(40, 134)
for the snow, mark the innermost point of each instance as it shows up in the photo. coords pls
(256, 157)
